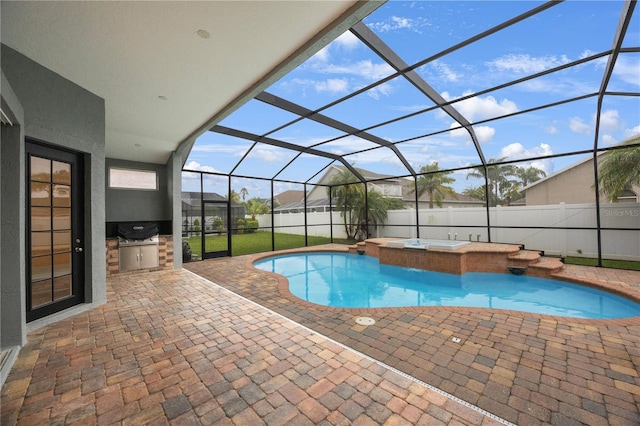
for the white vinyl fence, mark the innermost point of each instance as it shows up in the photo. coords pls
(470, 223)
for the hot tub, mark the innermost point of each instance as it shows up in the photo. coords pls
(426, 244)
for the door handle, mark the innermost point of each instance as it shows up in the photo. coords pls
(78, 249)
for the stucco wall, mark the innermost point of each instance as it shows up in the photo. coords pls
(12, 294)
(123, 205)
(574, 186)
(60, 113)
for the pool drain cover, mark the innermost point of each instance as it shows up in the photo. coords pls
(365, 321)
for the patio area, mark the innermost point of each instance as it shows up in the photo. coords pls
(524, 368)
(170, 347)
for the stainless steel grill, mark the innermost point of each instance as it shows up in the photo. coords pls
(137, 249)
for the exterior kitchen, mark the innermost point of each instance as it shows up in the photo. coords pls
(138, 218)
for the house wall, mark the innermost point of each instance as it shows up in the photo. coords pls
(128, 205)
(574, 186)
(12, 294)
(63, 114)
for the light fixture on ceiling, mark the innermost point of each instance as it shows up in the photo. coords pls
(162, 98)
(203, 34)
(137, 145)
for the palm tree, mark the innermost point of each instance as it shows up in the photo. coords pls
(357, 210)
(348, 194)
(477, 192)
(243, 193)
(256, 206)
(619, 171)
(495, 176)
(435, 184)
(529, 174)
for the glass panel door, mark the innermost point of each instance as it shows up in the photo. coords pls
(216, 229)
(55, 264)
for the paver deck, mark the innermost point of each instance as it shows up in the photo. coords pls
(170, 347)
(525, 368)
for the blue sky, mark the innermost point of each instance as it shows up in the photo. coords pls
(417, 30)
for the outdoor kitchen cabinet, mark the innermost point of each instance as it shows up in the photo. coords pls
(138, 257)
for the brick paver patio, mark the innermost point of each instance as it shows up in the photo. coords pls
(172, 348)
(525, 368)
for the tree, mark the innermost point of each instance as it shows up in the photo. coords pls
(529, 174)
(235, 197)
(495, 176)
(348, 195)
(358, 211)
(256, 206)
(477, 192)
(619, 171)
(435, 184)
(243, 193)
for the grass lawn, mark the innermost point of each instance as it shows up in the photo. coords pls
(256, 243)
(608, 263)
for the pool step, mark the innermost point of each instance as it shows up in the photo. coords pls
(533, 263)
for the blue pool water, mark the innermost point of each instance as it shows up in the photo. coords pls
(354, 281)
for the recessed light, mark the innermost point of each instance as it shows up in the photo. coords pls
(162, 98)
(203, 34)
(137, 145)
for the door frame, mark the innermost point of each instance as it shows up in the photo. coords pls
(78, 242)
(223, 253)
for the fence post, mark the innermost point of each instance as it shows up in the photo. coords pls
(415, 233)
(563, 218)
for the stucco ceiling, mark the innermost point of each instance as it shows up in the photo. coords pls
(162, 81)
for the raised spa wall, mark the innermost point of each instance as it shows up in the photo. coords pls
(473, 257)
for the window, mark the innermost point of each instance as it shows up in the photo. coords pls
(132, 179)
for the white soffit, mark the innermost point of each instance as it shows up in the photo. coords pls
(160, 79)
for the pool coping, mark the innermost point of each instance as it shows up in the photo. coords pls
(283, 289)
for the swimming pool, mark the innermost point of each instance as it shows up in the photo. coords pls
(352, 281)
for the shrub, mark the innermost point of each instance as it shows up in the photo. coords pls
(241, 225)
(251, 226)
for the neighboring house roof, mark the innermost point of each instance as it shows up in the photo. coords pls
(193, 198)
(323, 202)
(290, 196)
(633, 139)
(409, 196)
(559, 172)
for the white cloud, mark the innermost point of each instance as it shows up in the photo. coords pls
(194, 165)
(609, 120)
(608, 140)
(627, 69)
(484, 133)
(365, 69)
(347, 41)
(332, 85)
(577, 125)
(268, 155)
(629, 133)
(479, 108)
(445, 72)
(384, 89)
(516, 151)
(526, 64)
(459, 132)
(322, 55)
(396, 23)
(551, 129)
